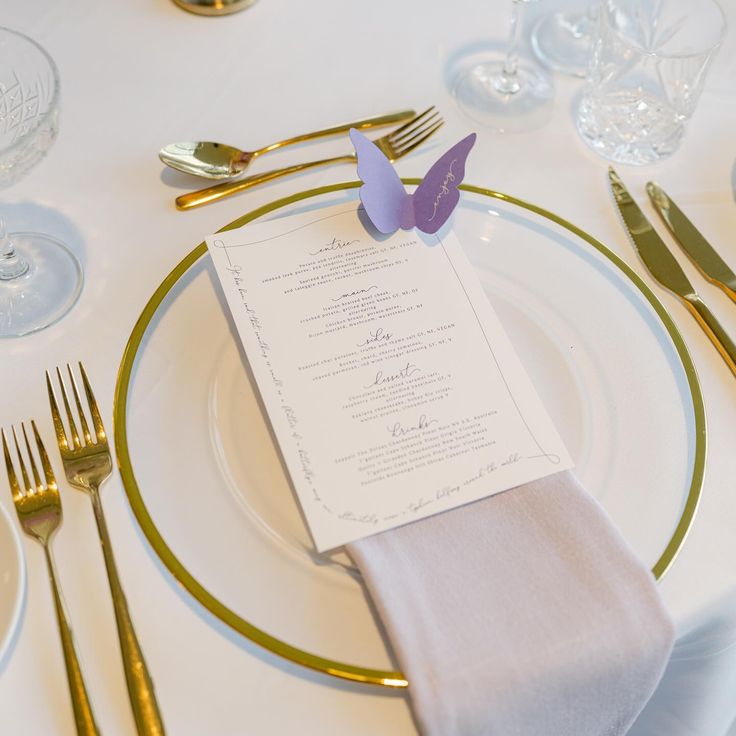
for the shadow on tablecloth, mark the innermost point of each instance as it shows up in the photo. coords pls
(697, 694)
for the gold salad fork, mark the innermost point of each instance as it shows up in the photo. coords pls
(87, 463)
(394, 145)
(38, 506)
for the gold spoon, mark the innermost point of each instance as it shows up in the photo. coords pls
(218, 161)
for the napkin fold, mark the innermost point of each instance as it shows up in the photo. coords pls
(523, 614)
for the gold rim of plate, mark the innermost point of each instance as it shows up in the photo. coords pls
(332, 667)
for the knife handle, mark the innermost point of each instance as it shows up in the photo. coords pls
(713, 328)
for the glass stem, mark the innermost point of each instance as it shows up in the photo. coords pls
(507, 82)
(11, 264)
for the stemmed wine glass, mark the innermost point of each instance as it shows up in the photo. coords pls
(40, 278)
(508, 93)
(563, 40)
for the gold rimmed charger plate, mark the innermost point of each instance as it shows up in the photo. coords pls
(212, 603)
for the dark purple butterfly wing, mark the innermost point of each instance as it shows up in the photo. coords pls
(437, 196)
(383, 195)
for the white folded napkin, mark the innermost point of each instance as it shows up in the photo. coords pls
(523, 614)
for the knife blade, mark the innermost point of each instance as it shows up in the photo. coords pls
(698, 249)
(666, 270)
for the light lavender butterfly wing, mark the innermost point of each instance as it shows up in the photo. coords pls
(437, 196)
(383, 195)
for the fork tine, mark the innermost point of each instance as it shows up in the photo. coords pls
(72, 426)
(31, 459)
(47, 469)
(93, 408)
(409, 123)
(80, 411)
(416, 143)
(397, 140)
(24, 474)
(12, 477)
(418, 137)
(58, 424)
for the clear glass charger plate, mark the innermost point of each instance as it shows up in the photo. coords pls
(12, 582)
(204, 478)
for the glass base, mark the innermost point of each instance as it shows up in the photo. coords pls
(45, 292)
(214, 7)
(563, 42)
(505, 104)
(629, 127)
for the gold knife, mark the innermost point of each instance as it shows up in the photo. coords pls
(665, 269)
(698, 249)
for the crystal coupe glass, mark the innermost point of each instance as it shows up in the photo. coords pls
(40, 278)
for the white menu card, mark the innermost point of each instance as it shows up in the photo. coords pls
(389, 382)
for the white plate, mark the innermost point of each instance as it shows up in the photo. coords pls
(12, 581)
(206, 483)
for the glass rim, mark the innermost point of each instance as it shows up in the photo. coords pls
(53, 104)
(690, 54)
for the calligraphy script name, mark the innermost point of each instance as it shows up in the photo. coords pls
(444, 189)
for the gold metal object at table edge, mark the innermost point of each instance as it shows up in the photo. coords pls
(214, 7)
(355, 673)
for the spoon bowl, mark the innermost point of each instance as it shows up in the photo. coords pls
(206, 159)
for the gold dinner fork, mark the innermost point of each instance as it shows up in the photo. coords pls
(87, 463)
(39, 511)
(394, 145)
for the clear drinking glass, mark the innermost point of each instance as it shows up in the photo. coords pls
(563, 39)
(646, 73)
(40, 279)
(509, 92)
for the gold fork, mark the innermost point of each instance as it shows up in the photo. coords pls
(38, 506)
(87, 463)
(394, 145)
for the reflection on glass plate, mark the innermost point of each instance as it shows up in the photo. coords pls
(12, 581)
(217, 506)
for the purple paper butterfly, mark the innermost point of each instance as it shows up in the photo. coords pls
(387, 203)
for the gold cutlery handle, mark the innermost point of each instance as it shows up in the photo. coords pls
(728, 287)
(140, 686)
(715, 331)
(84, 718)
(374, 122)
(219, 191)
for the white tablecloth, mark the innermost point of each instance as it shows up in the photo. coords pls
(141, 73)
